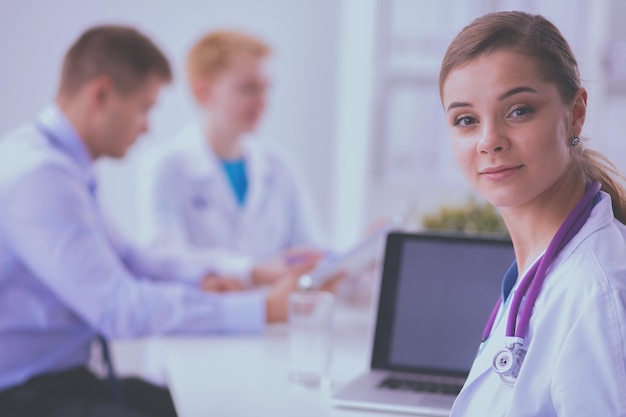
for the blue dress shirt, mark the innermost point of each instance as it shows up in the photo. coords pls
(64, 277)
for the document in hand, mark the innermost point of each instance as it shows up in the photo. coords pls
(353, 261)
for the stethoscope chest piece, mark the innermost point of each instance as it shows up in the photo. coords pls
(507, 362)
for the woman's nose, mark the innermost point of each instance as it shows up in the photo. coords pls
(493, 139)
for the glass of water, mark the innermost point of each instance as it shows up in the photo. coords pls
(310, 336)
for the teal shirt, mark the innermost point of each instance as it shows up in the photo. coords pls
(509, 280)
(236, 172)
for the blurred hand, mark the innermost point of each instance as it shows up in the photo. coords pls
(277, 300)
(292, 262)
(217, 283)
(331, 284)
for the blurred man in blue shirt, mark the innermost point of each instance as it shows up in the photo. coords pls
(64, 277)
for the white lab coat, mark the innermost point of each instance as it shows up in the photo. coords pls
(193, 206)
(576, 359)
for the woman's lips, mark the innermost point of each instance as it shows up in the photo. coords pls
(501, 172)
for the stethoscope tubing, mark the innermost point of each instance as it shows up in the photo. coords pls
(570, 227)
(532, 282)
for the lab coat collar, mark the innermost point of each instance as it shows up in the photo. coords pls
(204, 162)
(259, 181)
(200, 160)
(601, 216)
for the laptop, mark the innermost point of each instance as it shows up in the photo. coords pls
(436, 293)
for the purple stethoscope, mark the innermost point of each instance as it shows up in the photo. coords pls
(507, 362)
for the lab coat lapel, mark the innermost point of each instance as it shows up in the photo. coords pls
(259, 182)
(205, 170)
(494, 344)
(484, 394)
(483, 375)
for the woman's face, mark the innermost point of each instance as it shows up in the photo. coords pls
(236, 97)
(509, 128)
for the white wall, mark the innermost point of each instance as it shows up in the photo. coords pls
(327, 52)
(34, 35)
(413, 171)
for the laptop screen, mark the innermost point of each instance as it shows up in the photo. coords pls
(437, 292)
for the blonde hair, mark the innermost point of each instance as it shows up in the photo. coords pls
(536, 37)
(214, 51)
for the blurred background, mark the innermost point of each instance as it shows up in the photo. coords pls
(354, 94)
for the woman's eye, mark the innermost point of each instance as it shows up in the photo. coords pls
(521, 111)
(464, 121)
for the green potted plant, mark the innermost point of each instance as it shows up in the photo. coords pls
(473, 216)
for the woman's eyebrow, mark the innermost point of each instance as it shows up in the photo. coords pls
(503, 96)
(456, 104)
(517, 90)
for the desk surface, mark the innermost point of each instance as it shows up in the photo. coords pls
(246, 375)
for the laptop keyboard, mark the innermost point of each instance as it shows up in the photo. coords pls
(421, 385)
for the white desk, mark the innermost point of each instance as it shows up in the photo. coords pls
(237, 375)
(246, 375)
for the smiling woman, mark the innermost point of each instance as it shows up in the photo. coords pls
(509, 125)
(515, 109)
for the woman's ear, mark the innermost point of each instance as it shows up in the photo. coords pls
(579, 111)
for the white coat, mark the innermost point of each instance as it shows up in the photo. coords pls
(194, 207)
(576, 360)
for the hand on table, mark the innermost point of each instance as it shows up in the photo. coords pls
(277, 300)
(292, 262)
(218, 283)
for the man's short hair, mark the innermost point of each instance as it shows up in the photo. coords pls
(122, 53)
(214, 51)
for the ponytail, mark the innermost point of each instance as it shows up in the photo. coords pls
(597, 167)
